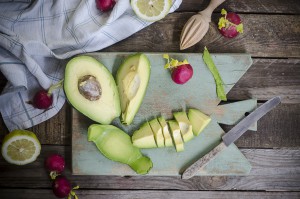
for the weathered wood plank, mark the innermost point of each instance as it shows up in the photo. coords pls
(269, 77)
(272, 169)
(279, 128)
(53, 131)
(264, 36)
(249, 6)
(146, 194)
(57, 129)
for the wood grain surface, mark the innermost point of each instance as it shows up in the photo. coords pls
(272, 169)
(272, 36)
(147, 194)
(264, 36)
(249, 6)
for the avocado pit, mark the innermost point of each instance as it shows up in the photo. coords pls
(89, 88)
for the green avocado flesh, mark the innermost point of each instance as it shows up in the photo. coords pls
(161, 133)
(176, 135)
(143, 137)
(198, 120)
(185, 126)
(132, 80)
(116, 145)
(91, 89)
(158, 133)
(165, 128)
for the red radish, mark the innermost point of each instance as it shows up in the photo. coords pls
(230, 25)
(55, 164)
(42, 99)
(105, 5)
(61, 187)
(181, 71)
(181, 74)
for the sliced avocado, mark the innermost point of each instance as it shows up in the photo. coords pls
(198, 120)
(91, 89)
(175, 129)
(157, 131)
(116, 145)
(132, 80)
(184, 125)
(166, 132)
(143, 137)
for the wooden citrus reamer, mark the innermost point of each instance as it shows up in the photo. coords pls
(197, 26)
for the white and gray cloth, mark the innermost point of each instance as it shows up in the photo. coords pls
(36, 38)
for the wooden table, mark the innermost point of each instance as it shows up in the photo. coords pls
(272, 37)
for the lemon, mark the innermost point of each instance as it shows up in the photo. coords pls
(151, 10)
(20, 147)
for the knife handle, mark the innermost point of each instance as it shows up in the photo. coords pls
(202, 162)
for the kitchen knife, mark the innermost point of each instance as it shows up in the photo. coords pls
(231, 136)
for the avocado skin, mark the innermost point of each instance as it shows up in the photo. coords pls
(129, 107)
(116, 145)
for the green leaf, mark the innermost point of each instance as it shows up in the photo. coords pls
(240, 28)
(76, 187)
(174, 62)
(222, 23)
(213, 69)
(166, 56)
(223, 12)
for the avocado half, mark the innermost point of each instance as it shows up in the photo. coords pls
(132, 81)
(90, 88)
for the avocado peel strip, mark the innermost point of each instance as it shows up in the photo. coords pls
(116, 145)
(213, 69)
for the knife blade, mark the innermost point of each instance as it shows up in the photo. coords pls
(231, 136)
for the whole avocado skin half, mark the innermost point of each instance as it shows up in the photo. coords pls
(90, 88)
(116, 145)
(132, 80)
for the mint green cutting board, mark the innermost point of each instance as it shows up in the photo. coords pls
(163, 97)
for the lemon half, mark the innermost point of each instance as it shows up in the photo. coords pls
(151, 10)
(20, 147)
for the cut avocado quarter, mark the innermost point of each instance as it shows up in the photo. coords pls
(144, 137)
(166, 132)
(198, 120)
(132, 80)
(91, 89)
(175, 131)
(157, 131)
(116, 145)
(184, 125)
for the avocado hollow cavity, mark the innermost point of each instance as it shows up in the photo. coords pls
(132, 83)
(89, 87)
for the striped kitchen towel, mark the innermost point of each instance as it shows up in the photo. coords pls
(36, 38)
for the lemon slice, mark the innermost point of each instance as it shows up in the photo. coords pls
(20, 147)
(151, 10)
